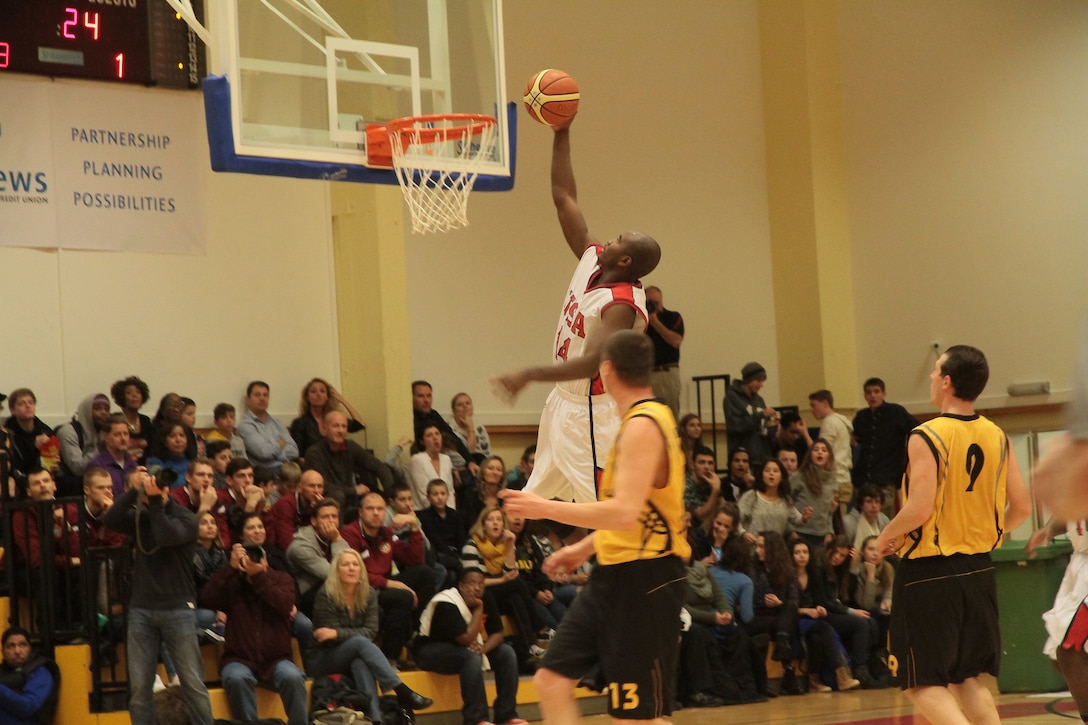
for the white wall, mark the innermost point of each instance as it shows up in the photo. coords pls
(669, 141)
(965, 128)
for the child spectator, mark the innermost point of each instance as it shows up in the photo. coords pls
(443, 526)
(224, 421)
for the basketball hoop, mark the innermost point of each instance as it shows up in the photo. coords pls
(437, 159)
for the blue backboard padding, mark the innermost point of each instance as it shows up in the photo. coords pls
(217, 115)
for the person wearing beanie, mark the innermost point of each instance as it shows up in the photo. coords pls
(748, 420)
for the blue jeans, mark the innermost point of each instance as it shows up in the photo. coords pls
(175, 629)
(447, 658)
(364, 661)
(240, 682)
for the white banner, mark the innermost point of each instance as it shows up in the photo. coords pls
(116, 168)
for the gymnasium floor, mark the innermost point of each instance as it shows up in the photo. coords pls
(874, 707)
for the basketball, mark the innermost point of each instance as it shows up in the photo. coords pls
(551, 97)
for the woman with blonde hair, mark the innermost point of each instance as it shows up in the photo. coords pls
(485, 493)
(317, 399)
(345, 623)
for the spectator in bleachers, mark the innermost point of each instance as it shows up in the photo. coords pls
(220, 455)
(293, 510)
(268, 443)
(257, 601)
(443, 525)
(171, 452)
(318, 399)
(346, 622)
(703, 489)
(349, 470)
(400, 593)
(97, 499)
(162, 605)
(5, 451)
(286, 482)
(265, 480)
(459, 629)
(868, 520)
(29, 683)
(313, 548)
(769, 506)
(402, 519)
(837, 430)
(774, 603)
(709, 538)
(171, 412)
(472, 435)
(791, 435)
(251, 530)
(241, 491)
(209, 557)
(79, 440)
(188, 417)
(530, 560)
(703, 679)
(881, 431)
(223, 418)
(491, 547)
(430, 463)
(28, 433)
(748, 419)
(30, 551)
(690, 428)
(789, 460)
(825, 623)
(199, 496)
(115, 458)
(518, 476)
(424, 414)
(741, 651)
(485, 493)
(814, 487)
(740, 478)
(131, 394)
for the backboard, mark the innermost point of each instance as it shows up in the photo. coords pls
(303, 78)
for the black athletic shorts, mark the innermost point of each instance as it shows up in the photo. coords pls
(944, 626)
(624, 629)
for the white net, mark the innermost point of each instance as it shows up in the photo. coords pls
(437, 159)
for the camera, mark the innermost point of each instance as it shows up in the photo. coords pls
(651, 306)
(254, 552)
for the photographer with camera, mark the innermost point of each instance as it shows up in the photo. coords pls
(665, 329)
(258, 602)
(162, 607)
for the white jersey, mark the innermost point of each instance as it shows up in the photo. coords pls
(585, 302)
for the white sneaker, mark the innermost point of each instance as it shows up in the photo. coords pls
(536, 651)
(175, 681)
(158, 685)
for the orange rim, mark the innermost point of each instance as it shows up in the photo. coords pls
(477, 123)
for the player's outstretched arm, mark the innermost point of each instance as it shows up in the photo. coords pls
(615, 318)
(639, 465)
(565, 194)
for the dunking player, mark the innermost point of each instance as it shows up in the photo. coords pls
(627, 619)
(579, 422)
(963, 483)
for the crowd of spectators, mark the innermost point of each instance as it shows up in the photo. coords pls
(256, 533)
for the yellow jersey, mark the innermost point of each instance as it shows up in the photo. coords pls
(968, 516)
(659, 532)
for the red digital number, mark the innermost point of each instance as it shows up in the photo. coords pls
(120, 58)
(5, 55)
(93, 26)
(74, 14)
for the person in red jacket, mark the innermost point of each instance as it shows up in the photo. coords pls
(401, 595)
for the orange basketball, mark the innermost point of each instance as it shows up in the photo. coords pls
(551, 97)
